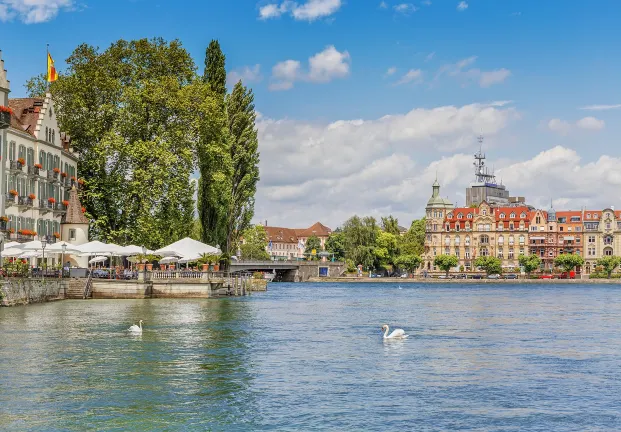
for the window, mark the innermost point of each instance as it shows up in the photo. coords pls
(435, 252)
(608, 240)
(577, 239)
(467, 226)
(595, 216)
(12, 151)
(484, 239)
(551, 228)
(512, 215)
(469, 215)
(551, 253)
(467, 253)
(447, 240)
(484, 252)
(435, 227)
(523, 215)
(608, 251)
(511, 226)
(502, 216)
(47, 132)
(448, 227)
(521, 240)
(575, 219)
(501, 226)
(538, 219)
(500, 253)
(72, 234)
(510, 240)
(456, 240)
(53, 136)
(533, 228)
(560, 229)
(457, 252)
(480, 227)
(562, 219)
(501, 240)
(447, 251)
(511, 253)
(521, 251)
(467, 240)
(460, 216)
(484, 212)
(457, 226)
(450, 216)
(50, 162)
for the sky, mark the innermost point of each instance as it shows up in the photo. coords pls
(362, 103)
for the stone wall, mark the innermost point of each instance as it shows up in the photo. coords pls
(120, 289)
(22, 291)
(176, 289)
(310, 269)
(111, 289)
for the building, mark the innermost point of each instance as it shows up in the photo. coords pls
(602, 232)
(436, 210)
(38, 172)
(290, 243)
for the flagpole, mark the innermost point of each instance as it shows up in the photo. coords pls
(47, 66)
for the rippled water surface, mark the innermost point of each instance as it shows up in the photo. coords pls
(311, 357)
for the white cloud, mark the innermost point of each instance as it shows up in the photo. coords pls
(430, 56)
(365, 166)
(383, 5)
(462, 6)
(391, 71)
(590, 123)
(311, 10)
(600, 107)
(563, 127)
(413, 75)
(324, 66)
(33, 11)
(405, 8)
(426, 2)
(246, 74)
(493, 77)
(461, 71)
(559, 126)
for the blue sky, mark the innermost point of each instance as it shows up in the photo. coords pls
(548, 58)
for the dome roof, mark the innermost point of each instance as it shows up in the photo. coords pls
(551, 215)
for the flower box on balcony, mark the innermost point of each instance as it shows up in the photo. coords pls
(38, 166)
(21, 161)
(13, 192)
(33, 170)
(51, 200)
(66, 203)
(56, 235)
(5, 117)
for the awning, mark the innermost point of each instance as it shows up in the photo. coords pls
(568, 238)
(537, 238)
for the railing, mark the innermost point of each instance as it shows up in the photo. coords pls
(15, 166)
(33, 170)
(24, 201)
(89, 285)
(51, 175)
(10, 199)
(181, 274)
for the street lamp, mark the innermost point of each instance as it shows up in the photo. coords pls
(62, 262)
(43, 266)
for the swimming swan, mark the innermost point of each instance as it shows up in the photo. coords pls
(396, 333)
(135, 328)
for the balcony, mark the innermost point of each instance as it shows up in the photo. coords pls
(59, 208)
(24, 201)
(16, 166)
(52, 176)
(21, 238)
(10, 199)
(5, 119)
(33, 171)
(49, 239)
(46, 206)
(4, 225)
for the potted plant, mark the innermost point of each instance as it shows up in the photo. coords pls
(38, 166)
(204, 261)
(13, 192)
(3, 221)
(21, 161)
(51, 200)
(57, 235)
(81, 182)
(56, 170)
(63, 175)
(66, 203)
(216, 262)
(32, 196)
(5, 117)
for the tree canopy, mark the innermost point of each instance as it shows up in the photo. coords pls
(312, 244)
(609, 264)
(445, 262)
(254, 243)
(568, 262)
(490, 264)
(529, 262)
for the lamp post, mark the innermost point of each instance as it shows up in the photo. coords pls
(1, 249)
(43, 266)
(62, 262)
(144, 264)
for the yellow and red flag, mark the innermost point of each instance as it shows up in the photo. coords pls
(52, 75)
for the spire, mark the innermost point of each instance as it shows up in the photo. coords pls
(74, 213)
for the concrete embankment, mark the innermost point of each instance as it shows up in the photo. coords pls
(22, 291)
(464, 281)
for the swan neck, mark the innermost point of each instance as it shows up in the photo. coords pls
(386, 332)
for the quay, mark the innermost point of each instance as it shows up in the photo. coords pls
(421, 280)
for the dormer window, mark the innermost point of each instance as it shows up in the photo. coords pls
(523, 215)
(588, 215)
(502, 215)
(460, 216)
(469, 215)
(512, 215)
(450, 216)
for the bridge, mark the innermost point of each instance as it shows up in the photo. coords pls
(291, 271)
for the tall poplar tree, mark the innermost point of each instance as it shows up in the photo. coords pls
(214, 160)
(245, 161)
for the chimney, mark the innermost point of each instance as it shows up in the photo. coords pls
(265, 222)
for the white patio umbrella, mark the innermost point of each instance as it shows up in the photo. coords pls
(169, 260)
(187, 248)
(30, 254)
(98, 248)
(58, 248)
(98, 259)
(133, 250)
(33, 245)
(12, 252)
(12, 245)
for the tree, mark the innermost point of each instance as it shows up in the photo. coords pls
(391, 225)
(385, 250)
(490, 264)
(254, 243)
(37, 86)
(214, 155)
(132, 112)
(529, 262)
(359, 238)
(312, 244)
(245, 161)
(335, 244)
(609, 263)
(568, 262)
(413, 241)
(446, 262)
(408, 262)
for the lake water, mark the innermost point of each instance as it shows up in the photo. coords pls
(311, 357)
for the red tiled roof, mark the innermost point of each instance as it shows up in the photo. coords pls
(26, 112)
(507, 211)
(318, 229)
(281, 235)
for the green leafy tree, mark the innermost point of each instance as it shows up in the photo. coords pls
(390, 225)
(364, 255)
(214, 155)
(530, 263)
(359, 236)
(490, 264)
(245, 161)
(608, 264)
(445, 262)
(408, 262)
(335, 244)
(385, 250)
(132, 112)
(413, 241)
(254, 243)
(37, 86)
(312, 244)
(568, 262)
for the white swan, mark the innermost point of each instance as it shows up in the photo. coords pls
(135, 328)
(396, 334)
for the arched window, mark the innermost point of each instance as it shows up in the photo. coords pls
(467, 240)
(53, 136)
(47, 131)
(460, 216)
(502, 215)
(608, 251)
(469, 215)
(608, 240)
(501, 240)
(457, 240)
(447, 240)
(450, 216)
(484, 212)
(523, 215)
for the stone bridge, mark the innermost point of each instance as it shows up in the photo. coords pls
(291, 271)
